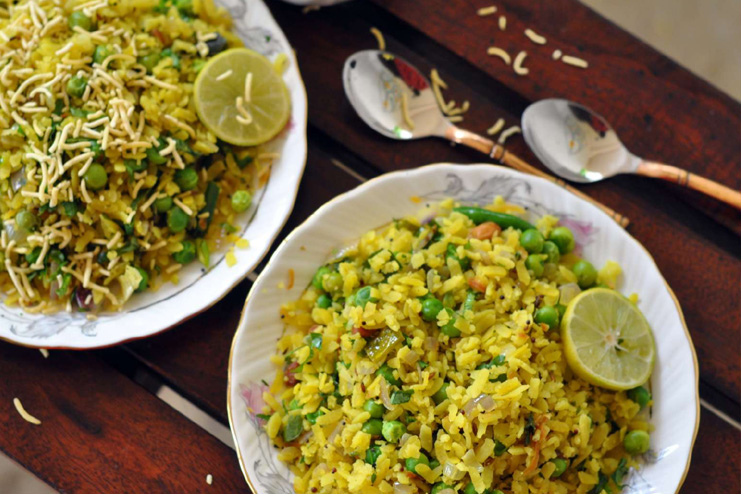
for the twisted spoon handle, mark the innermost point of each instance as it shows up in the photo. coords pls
(690, 180)
(496, 151)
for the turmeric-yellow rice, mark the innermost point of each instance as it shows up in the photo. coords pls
(421, 361)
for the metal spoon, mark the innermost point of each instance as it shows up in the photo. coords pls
(579, 145)
(379, 84)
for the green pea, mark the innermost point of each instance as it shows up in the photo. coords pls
(561, 311)
(372, 454)
(96, 177)
(154, 156)
(333, 282)
(163, 204)
(551, 250)
(585, 273)
(430, 309)
(388, 374)
(449, 328)
(177, 220)
(76, 86)
(376, 410)
(187, 254)
(563, 238)
(373, 427)
(411, 464)
(439, 487)
(187, 178)
(547, 315)
(532, 241)
(319, 277)
(144, 283)
(561, 466)
(241, 201)
(324, 301)
(640, 395)
(393, 430)
(77, 18)
(150, 60)
(534, 263)
(636, 442)
(470, 489)
(25, 220)
(101, 53)
(441, 394)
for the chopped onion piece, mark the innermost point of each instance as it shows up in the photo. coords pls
(431, 343)
(568, 292)
(430, 279)
(486, 402)
(18, 179)
(385, 398)
(411, 357)
(451, 471)
(403, 489)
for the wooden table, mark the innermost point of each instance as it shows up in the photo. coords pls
(105, 431)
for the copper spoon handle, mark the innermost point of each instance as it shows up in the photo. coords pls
(497, 151)
(690, 180)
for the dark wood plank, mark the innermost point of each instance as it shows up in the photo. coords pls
(660, 110)
(715, 463)
(194, 357)
(699, 259)
(101, 432)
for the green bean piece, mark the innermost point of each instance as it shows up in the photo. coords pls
(373, 427)
(79, 19)
(441, 394)
(393, 430)
(636, 442)
(187, 178)
(212, 197)
(639, 395)
(563, 238)
(203, 252)
(163, 204)
(388, 374)
(376, 410)
(324, 301)
(561, 466)
(411, 464)
(241, 201)
(585, 273)
(293, 428)
(96, 177)
(372, 454)
(177, 220)
(547, 315)
(430, 309)
(532, 241)
(550, 250)
(187, 254)
(25, 220)
(481, 215)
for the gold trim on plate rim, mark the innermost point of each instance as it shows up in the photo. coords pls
(341, 197)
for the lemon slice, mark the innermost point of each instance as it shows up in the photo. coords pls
(607, 340)
(241, 98)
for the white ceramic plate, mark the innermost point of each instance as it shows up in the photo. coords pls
(375, 203)
(150, 313)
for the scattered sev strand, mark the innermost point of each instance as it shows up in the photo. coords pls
(484, 11)
(379, 37)
(502, 22)
(494, 129)
(556, 54)
(44, 352)
(507, 133)
(24, 414)
(575, 61)
(535, 37)
(517, 65)
(499, 52)
(448, 108)
(209, 477)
